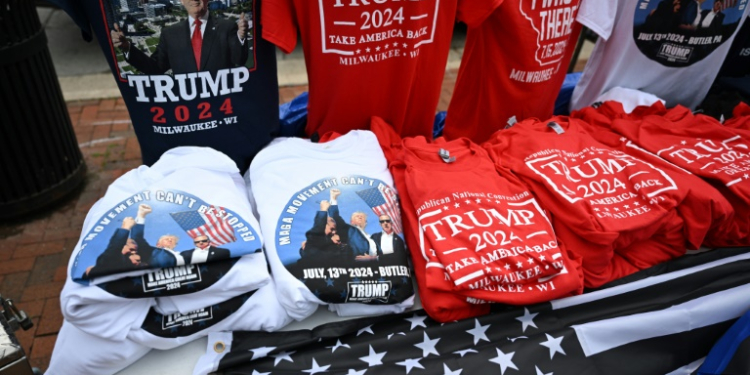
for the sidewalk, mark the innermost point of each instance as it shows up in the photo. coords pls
(35, 250)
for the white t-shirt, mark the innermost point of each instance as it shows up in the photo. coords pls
(77, 352)
(291, 180)
(175, 188)
(661, 53)
(629, 98)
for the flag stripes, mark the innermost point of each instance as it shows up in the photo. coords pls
(643, 327)
(197, 224)
(383, 201)
(648, 356)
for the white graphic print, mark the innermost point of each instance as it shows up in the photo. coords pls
(622, 185)
(727, 160)
(553, 22)
(368, 31)
(511, 238)
(678, 33)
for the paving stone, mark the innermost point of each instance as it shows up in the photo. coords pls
(41, 350)
(42, 291)
(33, 309)
(51, 319)
(16, 265)
(13, 284)
(45, 268)
(26, 338)
(61, 273)
(38, 249)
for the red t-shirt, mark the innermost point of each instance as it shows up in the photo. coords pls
(740, 117)
(607, 200)
(514, 62)
(699, 144)
(368, 58)
(439, 304)
(707, 214)
(483, 233)
(702, 146)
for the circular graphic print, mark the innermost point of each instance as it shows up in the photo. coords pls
(679, 33)
(341, 237)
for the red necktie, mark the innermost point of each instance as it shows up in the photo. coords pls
(197, 42)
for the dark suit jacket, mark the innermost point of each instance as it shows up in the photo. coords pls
(398, 243)
(315, 237)
(221, 49)
(691, 10)
(349, 234)
(153, 256)
(399, 256)
(111, 260)
(320, 250)
(214, 253)
(664, 19)
(716, 23)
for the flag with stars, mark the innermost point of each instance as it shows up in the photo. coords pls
(383, 201)
(197, 224)
(652, 322)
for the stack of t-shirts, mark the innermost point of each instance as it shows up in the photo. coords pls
(616, 211)
(332, 224)
(254, 311)
(125, 267)
(475, 236)
(701, 145)
(707, 214)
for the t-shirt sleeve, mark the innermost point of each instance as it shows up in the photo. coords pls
(279, 24)
(599, 16)
(474, 12)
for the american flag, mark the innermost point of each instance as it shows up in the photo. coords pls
(200, 224)
(726, 4)
(658, 321)
(383, 201)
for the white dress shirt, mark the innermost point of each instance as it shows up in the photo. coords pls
(707, 21)
(199, 255)
(191, 22)
(386, 243)
(180, 261)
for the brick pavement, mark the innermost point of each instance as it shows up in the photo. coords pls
(34, 250)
